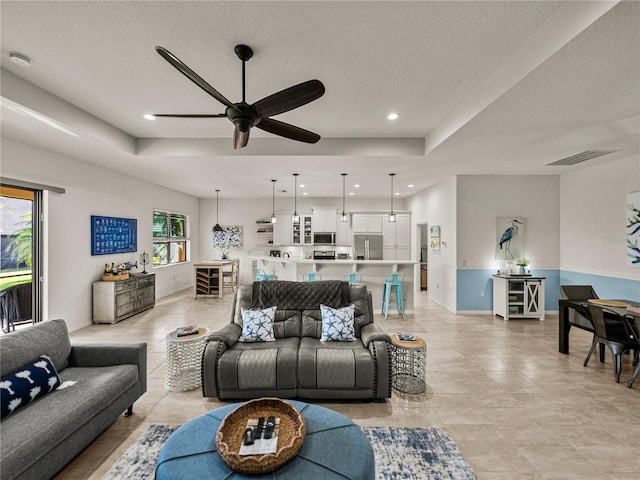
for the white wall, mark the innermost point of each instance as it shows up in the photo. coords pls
(91, 190)
(593, 216)
(437, 206)
(482, 198)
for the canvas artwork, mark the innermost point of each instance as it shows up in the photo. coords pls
(509, 238)
(434, 237)
(229, 238)
(633, 229)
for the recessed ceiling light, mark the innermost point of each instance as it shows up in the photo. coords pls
(305, 193)
(397, 193)
(20, 59)
(351, 193)
(149, 116)
(392, 116)
(302, 185)
(411, 185)
(357, 185)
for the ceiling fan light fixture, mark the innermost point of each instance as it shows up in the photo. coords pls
(217, 228)
(392, 215)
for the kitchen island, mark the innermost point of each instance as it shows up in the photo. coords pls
(372, 271)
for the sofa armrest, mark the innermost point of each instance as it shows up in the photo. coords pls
(107, 354)
(229, 334)
(372, 333)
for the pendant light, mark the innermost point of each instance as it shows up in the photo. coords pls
(392, 215)
(296, 217)
(273, 204)
(344, 217)
(217, 227)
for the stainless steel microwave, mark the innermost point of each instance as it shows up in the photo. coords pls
(324, 238)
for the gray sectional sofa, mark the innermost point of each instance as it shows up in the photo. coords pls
(298, 363)
(38, 439)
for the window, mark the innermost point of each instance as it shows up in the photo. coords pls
(170, 238)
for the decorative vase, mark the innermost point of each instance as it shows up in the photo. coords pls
(521, 270)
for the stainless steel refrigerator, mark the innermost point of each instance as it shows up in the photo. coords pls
(367, 247)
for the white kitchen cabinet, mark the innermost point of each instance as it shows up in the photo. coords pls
(396, 237)
(366, 223)
(518, 297)
(324, 219)
(343, 231)
(302, 232)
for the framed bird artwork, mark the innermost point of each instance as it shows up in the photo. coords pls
(510, 238)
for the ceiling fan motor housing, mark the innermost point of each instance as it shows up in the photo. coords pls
(242, 115)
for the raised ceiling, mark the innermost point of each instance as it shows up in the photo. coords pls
(480, 88)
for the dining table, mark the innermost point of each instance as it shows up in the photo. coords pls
(619, 306)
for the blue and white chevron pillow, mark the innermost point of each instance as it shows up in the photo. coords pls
(337, 324)
(26, 384)
(257, 325)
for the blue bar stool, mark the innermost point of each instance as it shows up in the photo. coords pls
(352, 277)
(311, 277)
(393, 280)
(262, 276)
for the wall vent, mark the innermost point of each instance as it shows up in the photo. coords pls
(582, 157)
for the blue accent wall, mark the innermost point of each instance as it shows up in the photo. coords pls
(605, 287)
(470, 284)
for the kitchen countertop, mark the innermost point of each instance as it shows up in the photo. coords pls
(267, 258)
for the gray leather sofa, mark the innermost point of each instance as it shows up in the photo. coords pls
(37, 440)
(298, 364)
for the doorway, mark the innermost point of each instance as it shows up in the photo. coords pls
(423, 254)
(20, 259)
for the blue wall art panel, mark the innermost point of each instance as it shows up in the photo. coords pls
(111, 235)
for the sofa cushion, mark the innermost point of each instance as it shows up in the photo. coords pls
(23, 346)
(334, 365)
(257, 325)
(264, 365)
(27, 384)
(337, 324)
(300, 295)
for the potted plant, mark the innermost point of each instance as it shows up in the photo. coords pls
(522, 263)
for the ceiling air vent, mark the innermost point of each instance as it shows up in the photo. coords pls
(581, 157)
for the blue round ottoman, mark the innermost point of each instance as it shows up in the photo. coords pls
(334, 448)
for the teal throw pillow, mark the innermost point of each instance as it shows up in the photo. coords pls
(257, 325)
(337, 324)
(26, 384)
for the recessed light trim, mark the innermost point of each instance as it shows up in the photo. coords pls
(392, 116)
(20, 59)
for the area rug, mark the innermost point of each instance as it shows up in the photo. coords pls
(401, 454)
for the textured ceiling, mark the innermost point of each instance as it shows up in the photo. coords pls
(480, 87)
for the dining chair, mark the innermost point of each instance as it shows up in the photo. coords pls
(579, 317)
(230, 277)
(632, 329)
(613, 335)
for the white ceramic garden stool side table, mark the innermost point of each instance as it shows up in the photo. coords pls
(409, 364)
(184, 360)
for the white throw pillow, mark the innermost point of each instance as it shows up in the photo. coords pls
(257, 325)
(337, 324)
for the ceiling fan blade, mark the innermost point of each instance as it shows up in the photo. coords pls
(190, 115)
(191, 75)
(240, 138)
(288, 131)
(289, 98)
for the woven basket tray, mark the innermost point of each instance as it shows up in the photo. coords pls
(291, 434)
(115, 278)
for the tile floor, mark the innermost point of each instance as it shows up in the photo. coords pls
(516, 407)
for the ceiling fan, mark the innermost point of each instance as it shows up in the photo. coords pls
(245, 116)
